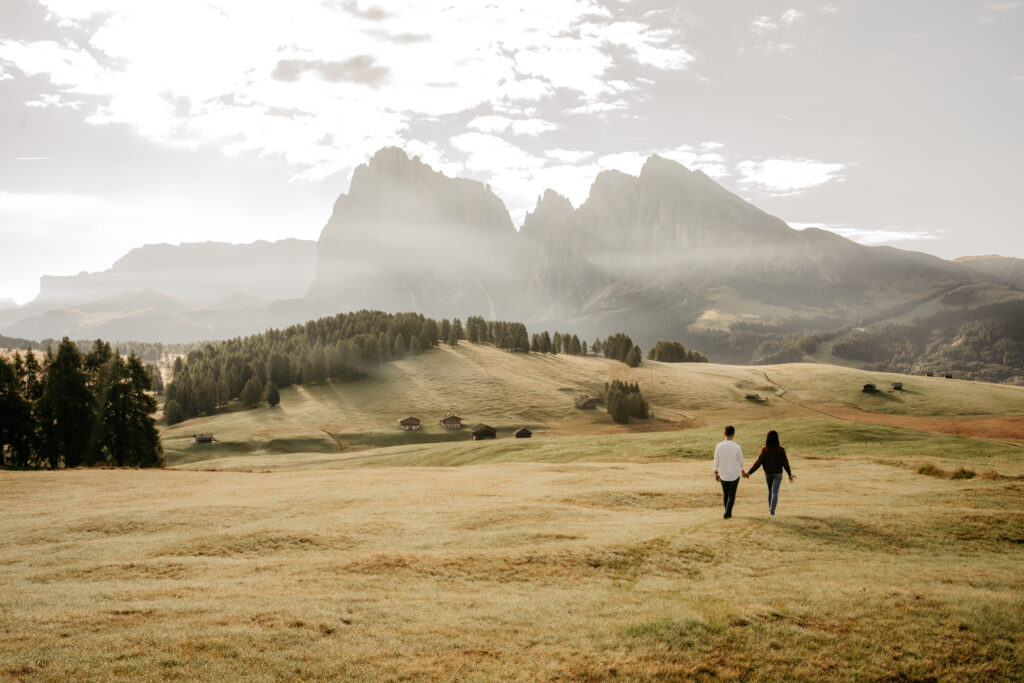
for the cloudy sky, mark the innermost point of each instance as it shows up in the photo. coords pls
(126, 122)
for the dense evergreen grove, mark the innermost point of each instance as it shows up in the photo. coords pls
(74, 409)
(985, 343)
(623, 400)
(343, 347)
(674, 352)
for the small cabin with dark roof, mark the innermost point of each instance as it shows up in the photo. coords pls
(409, 423)
(753, 397)
(482, 431)
(450, 421)
(587, 402)
(870, 389)
(948, 376)
(522, 433)
(897, 386)
(203, 438)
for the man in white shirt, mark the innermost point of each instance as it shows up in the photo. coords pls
(728, 468)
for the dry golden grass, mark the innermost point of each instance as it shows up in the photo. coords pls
(510, 571)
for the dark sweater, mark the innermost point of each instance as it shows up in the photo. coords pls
(773, 460)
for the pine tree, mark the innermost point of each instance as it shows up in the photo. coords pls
(457, 329)
(173, 414)
(452, 337)
(271, 395)
(400, 349)
(633, 358)
(65, 408)
(252, 393)
(574, 346)
(139, 443)
(446, 329)
(16, 421)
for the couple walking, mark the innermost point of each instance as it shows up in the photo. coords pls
(729, 468)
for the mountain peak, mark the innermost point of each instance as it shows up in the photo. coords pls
(552, 209)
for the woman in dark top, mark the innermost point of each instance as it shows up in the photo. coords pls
(773, 459)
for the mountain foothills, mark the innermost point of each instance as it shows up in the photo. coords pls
(667, 254)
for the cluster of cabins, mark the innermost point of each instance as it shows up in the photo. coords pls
(449, 421)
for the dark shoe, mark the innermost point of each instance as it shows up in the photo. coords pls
(727, 516)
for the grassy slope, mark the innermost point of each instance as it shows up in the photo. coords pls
(518, 571)
(507, 391)
(594, 552)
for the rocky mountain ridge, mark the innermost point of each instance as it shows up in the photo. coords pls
(667, 254)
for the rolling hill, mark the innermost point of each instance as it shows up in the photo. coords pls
(333, 422)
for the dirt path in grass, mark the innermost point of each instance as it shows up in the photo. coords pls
(1000, 428)
(996, 428)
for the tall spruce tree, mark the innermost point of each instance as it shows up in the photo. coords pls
(252, 393)
(16, 420)
(271, 395)
(65, 408)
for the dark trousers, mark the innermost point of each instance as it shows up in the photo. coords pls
(729, 494)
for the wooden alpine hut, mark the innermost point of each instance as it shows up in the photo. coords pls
(203, 438)
(522, 433)
(450, 421)
(482, 431)
(897, 386)
(587, 402)
(869, 389)
(409, 423)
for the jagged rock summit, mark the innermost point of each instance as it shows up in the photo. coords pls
(407, 237)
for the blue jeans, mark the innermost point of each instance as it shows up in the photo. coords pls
(773, 481)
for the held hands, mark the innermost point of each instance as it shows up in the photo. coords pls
(746, 475)
(791, 479)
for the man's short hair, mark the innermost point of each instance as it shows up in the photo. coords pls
(730, 430)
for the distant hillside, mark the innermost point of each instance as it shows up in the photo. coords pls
(199, 274)
(481, 383)
(1005, 268)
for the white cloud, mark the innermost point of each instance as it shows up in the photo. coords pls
(763, 25)
(501, 124)
(321, 84)
(791, 16)
(872, 237)
(1002, 6)
(654, 47)
(567, 156)
(490, 124)
(788, 176)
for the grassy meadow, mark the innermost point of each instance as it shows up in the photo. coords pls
(318, 541)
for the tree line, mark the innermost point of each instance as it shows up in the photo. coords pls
(73, 409)
(674, 352)
(344, 347)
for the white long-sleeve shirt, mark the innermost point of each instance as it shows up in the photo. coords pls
(728, 460)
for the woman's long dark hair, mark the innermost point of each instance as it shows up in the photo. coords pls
(772, 440)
